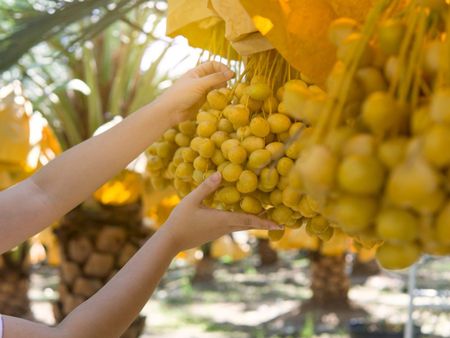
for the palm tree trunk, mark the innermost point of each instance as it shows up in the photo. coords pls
(267, 255)
(15, 282)
(96, 241)
(329, 280)
(204, 269)
(365, 269)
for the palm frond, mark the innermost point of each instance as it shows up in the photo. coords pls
(40, 27)
(31, 26)
(104, 76)
(94, 102)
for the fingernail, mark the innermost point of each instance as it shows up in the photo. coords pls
(215, 177)
(273, 226)
(228, 73)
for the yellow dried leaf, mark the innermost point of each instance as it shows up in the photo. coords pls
(338, 244)
(222, 246)
(262, 234)
(200, 25)
(264, 25)
(300, 30)
(158, 205)
(125, 188)
(50, 141)
(240, 27)
(367, 255)
(14, 125)
(238, 23)
(356, 9)
(295, 239)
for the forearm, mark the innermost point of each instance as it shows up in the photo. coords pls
(71, 177)
(111, 310)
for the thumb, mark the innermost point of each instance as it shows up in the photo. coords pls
(216, 79)
(205, 189)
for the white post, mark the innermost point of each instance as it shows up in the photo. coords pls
(409, 326)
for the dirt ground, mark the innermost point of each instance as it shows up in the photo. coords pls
(244, 301)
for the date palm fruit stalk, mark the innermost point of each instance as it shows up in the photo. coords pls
(376, 162)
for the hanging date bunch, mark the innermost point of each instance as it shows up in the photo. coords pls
(377, 163)
(244, 133)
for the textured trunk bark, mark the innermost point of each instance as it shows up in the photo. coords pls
(365, 269)
(15, 282)
(329, 280)
(204, 269)
(267, 255)
(96, 241)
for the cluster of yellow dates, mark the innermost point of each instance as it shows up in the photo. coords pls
(377, 163)
(364, 157)
(246, 134)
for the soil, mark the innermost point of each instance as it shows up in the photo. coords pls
(244, 300)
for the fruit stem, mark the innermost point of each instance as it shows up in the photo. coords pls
(416, 71)
(397, 86)
(336, 103)
(444, 71)
(414, 54)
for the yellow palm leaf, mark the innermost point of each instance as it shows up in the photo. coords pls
(298, 29)
(14, 125)
(200, 24)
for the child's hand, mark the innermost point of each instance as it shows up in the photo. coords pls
(188, 93)
(192, 224)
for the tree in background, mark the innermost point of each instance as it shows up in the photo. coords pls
(20, 155)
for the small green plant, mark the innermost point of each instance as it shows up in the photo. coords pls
(186, 287)
(259, 333)
(251, 270)
(308, 329)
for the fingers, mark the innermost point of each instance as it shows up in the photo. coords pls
(215, 80)
(205, 189)
(220, 85)
(208, 68)
(241, 221)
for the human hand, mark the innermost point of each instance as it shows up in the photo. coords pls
(188, 93)
(191, 224)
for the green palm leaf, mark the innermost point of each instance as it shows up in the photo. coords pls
(31, 27)
(107, 70)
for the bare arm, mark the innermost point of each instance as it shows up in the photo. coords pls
(69, 179)
(35, 203)
(112, 309)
